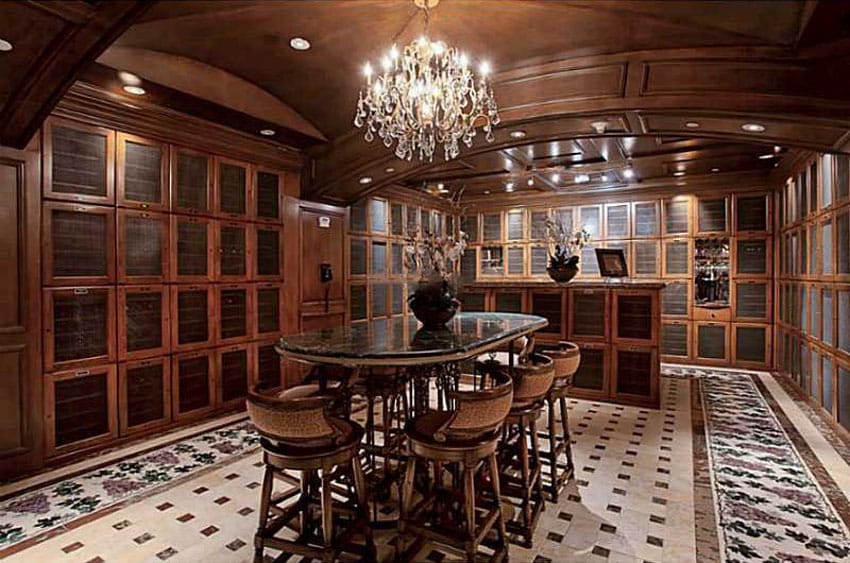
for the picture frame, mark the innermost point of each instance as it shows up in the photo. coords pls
(612, 263)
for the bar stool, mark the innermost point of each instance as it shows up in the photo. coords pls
(566, 358)
(326, 380)
(298, 434)
(468, 438)
(532, 381)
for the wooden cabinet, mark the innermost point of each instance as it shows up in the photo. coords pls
(675, 341)
(192, 243)
(678, 258)
(193, 384)
(267, 365)
(515, 224)
(268, 309)
(515, 262)
(379, 300)
(617, 224)
(233, 242)
(711, 342)
(677, 216)
(751, 345)
(141, 173)
(79, 327)
(233, 363)
(143, 321)
(357, 303)
(80, 409)
(378, 222)
(508, 301)
(191, 182)
(712, 215)
(79, 162)
(591, 380)
(235, 312)
(646, 259)
(78, 244)
(473, 301)
(646, 219)
(268, 252)
(234, 190)
(268, 196)
(635, 373)
(676, 299)
(751, 301)
(588, 315)
(193, 317)
(551, 305)
(143, 246)
(752, 213)
(144, 394)
(397, 219)
(635, 317)
(752, 257)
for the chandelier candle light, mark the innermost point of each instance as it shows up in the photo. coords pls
(426, 96)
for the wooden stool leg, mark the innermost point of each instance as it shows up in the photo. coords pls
(265, 501)
(553, 450)
(469, 508)
(565, 425)
(327, 515)
(363, 506)
(497, 494)
(526, 478)
(538, 466)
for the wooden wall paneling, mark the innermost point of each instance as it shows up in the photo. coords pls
(233, 366)
(233, 249)
(268, 246)
(78, 244)
(79, 327)
(233, 188)
(235, 308)
(192, 175)
(193, 384)
(675, 341)
(144, 395)
(634, 374)
(192, 249)
(79, 162)
(142, 173)
(268, 195)
(322, 236)
(144, 241)
(21, 380)
(266, 365)
(80, 409)
(144, 321)
(193, 317)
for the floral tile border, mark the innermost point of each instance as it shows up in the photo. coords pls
(770, 506)
(46, 509)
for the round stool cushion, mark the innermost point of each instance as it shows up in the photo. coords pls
(309, 390)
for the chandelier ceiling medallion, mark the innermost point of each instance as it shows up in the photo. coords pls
(426, 96)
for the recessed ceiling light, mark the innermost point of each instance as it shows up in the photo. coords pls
(715, 169)
(599, 126)
(530, 181)
(135, 90)
(628, 173)
(678, 173)
(129, 78)
(604, 177)
(486, 192)
(556, 177)
(267, 132)
(753, 127)
(777, 149)
(365, 180)
(5, 45)
(509, 187)
(299, 43)
(692, 124)
(582, 178)
(518, 134)
(767, 156)
(389, 169)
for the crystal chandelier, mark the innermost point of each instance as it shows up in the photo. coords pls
(426, 96)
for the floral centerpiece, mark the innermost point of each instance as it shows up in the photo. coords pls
(435, 259)
(564, 250)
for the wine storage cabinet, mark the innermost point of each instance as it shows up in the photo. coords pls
(79, 327)
(143, 247)
(144, 326)
(79, 244)
(141, 176)
(144, 394)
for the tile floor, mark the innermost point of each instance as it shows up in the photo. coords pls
(643, 491)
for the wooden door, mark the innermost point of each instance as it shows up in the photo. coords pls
(20, 352)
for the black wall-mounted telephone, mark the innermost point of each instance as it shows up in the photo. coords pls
(326, 272)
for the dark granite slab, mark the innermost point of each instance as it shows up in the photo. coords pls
(402, 341)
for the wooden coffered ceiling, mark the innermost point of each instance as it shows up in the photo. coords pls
(645, 67)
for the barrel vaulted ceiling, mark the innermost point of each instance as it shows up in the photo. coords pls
(645, 68)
